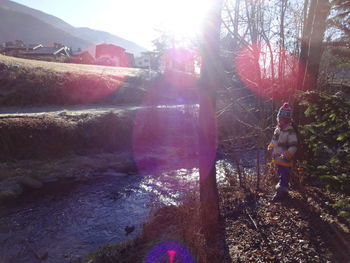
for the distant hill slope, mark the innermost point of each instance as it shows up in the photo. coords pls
(15, 25)
(22, 28)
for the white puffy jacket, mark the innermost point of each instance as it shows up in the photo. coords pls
(284, 145)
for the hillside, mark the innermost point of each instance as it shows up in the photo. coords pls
(15, 25)
(69, 67)
(26, 82)
(20, 22)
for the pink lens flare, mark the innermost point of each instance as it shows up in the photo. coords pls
(106, 77)
(165, 134)
(171, 254)
(271, 73)
(180, 59)
(91, 88)
(167, 252)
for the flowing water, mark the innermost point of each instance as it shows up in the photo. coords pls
(66, 220)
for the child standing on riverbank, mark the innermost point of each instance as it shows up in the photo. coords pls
(283, 147)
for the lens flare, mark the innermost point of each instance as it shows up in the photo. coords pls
(91, 84)
(183, 18)
(171, 254)
(180, 59)
(272, 73)
(168, 252)
(165, 133)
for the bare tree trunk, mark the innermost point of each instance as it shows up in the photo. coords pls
(282, 43)
(317, 33)
(238, 167)
(235, 24)
(311, 46)
(258, 170)
(209, 80)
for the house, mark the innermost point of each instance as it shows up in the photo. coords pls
(17, 47)
(48, 53)
(111, 55)
(131, 59)
(82, 57)
(179, 59)
(55, 45)
(144, 61)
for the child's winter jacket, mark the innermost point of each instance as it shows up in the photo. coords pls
(284, 145)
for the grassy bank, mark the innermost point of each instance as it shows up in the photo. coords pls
(46, 136)
(26, 82)
(47, 148)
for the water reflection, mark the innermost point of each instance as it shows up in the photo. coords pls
(67, 220)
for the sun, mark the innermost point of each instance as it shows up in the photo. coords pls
(183, 18)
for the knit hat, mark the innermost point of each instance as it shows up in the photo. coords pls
(285, 111)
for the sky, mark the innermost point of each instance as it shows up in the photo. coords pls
(135, 20)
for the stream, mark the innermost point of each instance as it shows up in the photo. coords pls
(66, 220)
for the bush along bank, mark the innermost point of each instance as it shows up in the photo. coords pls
(327, 139)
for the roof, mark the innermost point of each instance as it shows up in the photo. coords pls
(47, 51)
(15, 48)
(109, 46)
(34, 46)
(23, 47)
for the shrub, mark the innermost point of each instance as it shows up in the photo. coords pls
(327, 138)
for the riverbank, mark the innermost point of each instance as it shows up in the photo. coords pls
(23, 175)
(44, 148)
(170, 228)
(304, 228)
(47, 136)
(40, 147)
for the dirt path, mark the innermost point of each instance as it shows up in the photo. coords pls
(302, 229)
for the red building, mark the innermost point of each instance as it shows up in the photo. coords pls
(82, 57)
(111, 55)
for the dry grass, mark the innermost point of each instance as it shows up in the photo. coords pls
(26, 82)
(175, 224)
(71, 68)
(44, 136)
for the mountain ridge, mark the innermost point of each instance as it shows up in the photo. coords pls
(75, 37)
